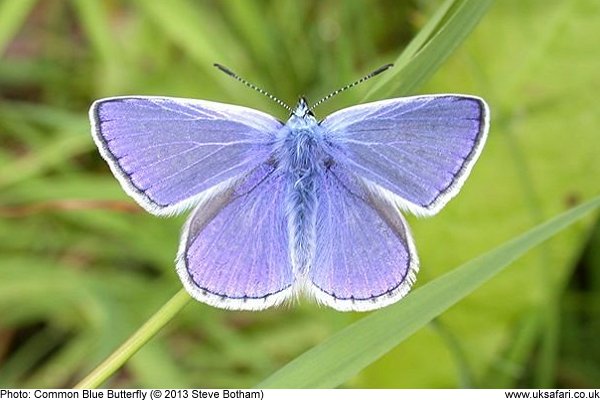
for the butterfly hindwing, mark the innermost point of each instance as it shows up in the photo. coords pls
(420, 148)
(365, 257)
(234, 247)
(166, 151)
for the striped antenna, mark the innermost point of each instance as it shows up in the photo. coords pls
(250, 85)
(361, 80)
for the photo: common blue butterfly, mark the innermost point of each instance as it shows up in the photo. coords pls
(302, 207)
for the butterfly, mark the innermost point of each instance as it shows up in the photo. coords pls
(297, 207)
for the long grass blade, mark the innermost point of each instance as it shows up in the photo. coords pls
(135, 342)
(445, 31)
(345, 354)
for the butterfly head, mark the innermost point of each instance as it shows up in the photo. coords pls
(302, 109)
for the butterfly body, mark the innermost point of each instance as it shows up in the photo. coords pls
(301, 158)
(305, 206)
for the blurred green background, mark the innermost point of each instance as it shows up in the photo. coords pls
(82, 266)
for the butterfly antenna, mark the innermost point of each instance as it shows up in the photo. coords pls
(252, 86)
(361, 80)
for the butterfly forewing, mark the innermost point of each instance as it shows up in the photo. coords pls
(419, 148)
(166, 151)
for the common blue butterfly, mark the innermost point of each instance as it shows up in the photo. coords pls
(304, 206)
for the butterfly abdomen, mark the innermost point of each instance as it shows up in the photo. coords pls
(300, 157)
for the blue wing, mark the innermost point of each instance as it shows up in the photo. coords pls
(167, 151)
(421, 149)
(234, 249)
(365, 256)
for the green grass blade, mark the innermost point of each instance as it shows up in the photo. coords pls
(433, 24)
(135, 342)
(445, 31)
(12, 15)
(355, 347)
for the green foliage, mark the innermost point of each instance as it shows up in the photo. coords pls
(82, 268)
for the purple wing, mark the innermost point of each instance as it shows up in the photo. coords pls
(365, 257)
(419, 148)
(166, 151)
(234, 248)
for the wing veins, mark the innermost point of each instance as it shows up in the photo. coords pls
(165, 178)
